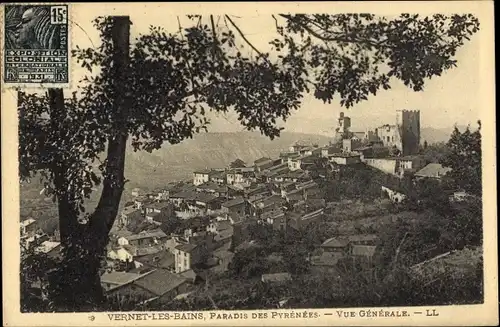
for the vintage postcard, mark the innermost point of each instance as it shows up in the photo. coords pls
(255, 164)
(36, 45)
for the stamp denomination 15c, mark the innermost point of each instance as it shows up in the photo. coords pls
(36, 45)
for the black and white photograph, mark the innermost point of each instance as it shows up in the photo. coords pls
(256, 165)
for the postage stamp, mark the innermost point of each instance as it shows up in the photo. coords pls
(36, 45)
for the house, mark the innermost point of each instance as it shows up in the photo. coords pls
(204, 202)
(212, 188)
(129, 215)
(432, 170)
(140, 201)
(240, 175)
(196, 225)
(276, 219)
(299, 221)
(223, 258)
(325, 261)
(187, 255)
(308, 162)
(223, 233)
(276, 278)
(326, 151)
(218, 177)
(263, 163)
(202, 176)
(51, 249)
(269, 203)
(159, 207)
(373, 150)
(349, 158)
(144, 238)
(121, 254)
(181, 197)
(114, 279)
(28, 226)
(157, 285)
(161, 260)
(348, 145)
(237, 205)
(294, 162)
(238, 163)
(340, 244)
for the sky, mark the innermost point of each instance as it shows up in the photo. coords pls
(446, 100)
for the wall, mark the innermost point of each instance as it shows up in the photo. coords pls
(294, 165)
(388, 166)
(389, 135)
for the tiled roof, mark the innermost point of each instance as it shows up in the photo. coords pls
(234, 202)
(160, 282)
(433, 170)
(119, 277)
(204, 171)
(184, 195)
(158, 205)
(147, 234)
(188, 247)
(344, 155)
(163, 259)
(203, 197)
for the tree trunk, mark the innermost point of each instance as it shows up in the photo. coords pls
(76, 284)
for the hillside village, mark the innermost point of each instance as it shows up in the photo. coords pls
(167, 242)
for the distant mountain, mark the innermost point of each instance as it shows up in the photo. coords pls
(208, 150)
(436, 135)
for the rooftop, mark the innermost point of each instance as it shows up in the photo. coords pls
(344, 155)
(187, 247)
(234, 202)
(163, 259)
(160, 282)
(204, 197)
(47, 246)
(27, 222)
(119, 277)
(433, 170)
(147, 234)
(184, 195)
(157, 205)
(204, 171)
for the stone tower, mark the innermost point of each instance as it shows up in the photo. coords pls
(343, 126)
(408, 122)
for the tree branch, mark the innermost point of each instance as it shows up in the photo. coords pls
(329, 38)
(243, 35)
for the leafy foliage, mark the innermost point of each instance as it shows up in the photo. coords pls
(465, 160)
